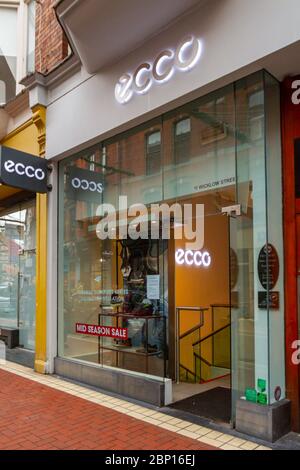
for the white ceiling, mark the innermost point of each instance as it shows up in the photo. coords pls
(103, 31)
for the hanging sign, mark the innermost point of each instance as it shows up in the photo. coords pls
(268, 266)
(85, 185)
(23, 170)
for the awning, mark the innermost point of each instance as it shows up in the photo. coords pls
(103, 31)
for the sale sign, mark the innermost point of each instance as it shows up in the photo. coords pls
(98, 330)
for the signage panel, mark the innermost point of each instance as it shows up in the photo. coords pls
(85, 185)
(268, 300)
(99, 330)
(268, 266)
(23, 170)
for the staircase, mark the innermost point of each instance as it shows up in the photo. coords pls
(205, 349)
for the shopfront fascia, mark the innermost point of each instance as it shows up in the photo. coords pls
(127, 311)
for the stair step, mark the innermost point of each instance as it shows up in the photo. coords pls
(219, 372)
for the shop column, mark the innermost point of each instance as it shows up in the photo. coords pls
(39, 119)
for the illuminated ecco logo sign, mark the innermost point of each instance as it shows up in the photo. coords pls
(193, 258)
(184, 58)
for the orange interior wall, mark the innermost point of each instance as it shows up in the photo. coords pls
(198, 286)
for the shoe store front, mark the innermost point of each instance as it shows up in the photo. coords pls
(148, 316)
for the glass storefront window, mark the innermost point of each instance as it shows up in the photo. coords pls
(8, 52)
(31, 17)
(153, 152)
(220, 150)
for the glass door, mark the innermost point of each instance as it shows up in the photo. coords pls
(203, 322)
(202, 299)
(17, 271)
(11, 234)
(27, 299)
(27, 278)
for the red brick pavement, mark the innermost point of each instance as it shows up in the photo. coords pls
(34, 416)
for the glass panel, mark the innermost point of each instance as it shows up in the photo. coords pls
(275, 289)
(190, 323)
(86, 262)
(31, 36)
(27, 281)
(199, 147)
(242, 308)
(204, 340)
(17, 271)
(134, 165)
(256, 236)
(221, 339)
(11, 237)
(8, 53)
(113, 273)
(249, 324)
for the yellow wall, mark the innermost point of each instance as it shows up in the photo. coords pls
(24, 139)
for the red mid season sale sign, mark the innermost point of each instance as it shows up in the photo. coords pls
(98, 330)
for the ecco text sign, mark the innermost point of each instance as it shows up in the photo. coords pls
(160, 70)
(85, 185)
(22, 170)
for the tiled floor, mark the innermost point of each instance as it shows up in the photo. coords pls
(184, 390)
(41, 415)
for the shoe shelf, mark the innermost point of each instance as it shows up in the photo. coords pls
(118, 319)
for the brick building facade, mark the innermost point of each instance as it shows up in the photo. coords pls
(51, 42)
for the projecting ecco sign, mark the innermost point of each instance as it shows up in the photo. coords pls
(169, 61)
(24, 171)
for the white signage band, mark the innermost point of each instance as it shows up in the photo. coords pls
(184, 58)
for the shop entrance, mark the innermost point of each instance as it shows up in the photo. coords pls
(203, 286)
(17, 272)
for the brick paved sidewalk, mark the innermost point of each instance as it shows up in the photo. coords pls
(34, 416)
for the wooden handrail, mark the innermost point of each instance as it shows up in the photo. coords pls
(197, 327)
(202, 359)
(188, 370)
(211, 334)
